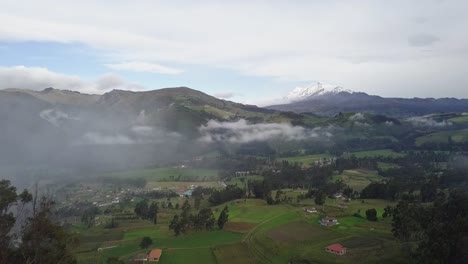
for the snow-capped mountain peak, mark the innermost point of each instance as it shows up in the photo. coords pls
(315, 89)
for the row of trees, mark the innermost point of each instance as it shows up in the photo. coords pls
(231, 192)
(435, 233)
(147, 211)
(204, 219)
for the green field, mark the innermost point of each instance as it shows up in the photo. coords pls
(386, 165)
(458, 136)
(460, 119)
(241, 181)
(307, 159)
(379, 152)
(262, 234)
(358, 179)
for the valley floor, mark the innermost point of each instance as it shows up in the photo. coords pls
(255, 233)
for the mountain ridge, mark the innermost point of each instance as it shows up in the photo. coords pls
(332, 102)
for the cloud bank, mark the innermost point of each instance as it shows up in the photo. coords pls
(428, 122)
(244, 132)
(38, 78)
(139, 66)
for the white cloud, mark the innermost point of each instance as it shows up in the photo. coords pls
(95, 138)
(38, 78)
(370, 46)
(243, 132)
(139, 66)
(428, 122)
(357, 116)
(55, 117)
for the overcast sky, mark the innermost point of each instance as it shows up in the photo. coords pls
(247, 51)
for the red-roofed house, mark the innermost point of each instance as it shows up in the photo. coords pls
(336, 249)
(154, 255)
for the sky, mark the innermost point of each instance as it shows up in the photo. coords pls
(247, 51)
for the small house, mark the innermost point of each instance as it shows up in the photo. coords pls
(154, 255)
(310, 210)
(188, 193)
(338, 196)
(329, 221)
(337, 249)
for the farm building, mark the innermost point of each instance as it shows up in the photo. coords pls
(337, 249)
(188, 193)
(338, 196)
(329, 221)
(310, 210)
(154, 255)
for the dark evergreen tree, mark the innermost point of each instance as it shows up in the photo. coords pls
(223, 217)
(371, 214)
(146, 242)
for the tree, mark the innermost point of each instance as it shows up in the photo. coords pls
(175, 225)
(320, 198)
(278, 195)
(429, 191)
(371, 214)
(186, 206)
(388, 211)
(146, 242)
(153, 212)
(43, 241)
(89, 215)
(348, 192)
(8, 198)
(197, 203)
(443, 238)
(223, 217)
(141, 209)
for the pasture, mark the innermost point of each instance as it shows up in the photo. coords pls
(460, 119)
(256, 233)
(357, 179)
(457, 136)
(379, 152)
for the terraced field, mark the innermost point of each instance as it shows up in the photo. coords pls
(358, 179)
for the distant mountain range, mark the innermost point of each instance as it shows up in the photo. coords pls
(69, 127)
(124, 128)
(329, 100)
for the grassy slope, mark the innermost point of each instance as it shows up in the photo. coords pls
(280, 233)
(378, 152)
(460, 119)
(357, 179)
(442, 137)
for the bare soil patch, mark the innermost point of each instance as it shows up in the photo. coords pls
(241, 227)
